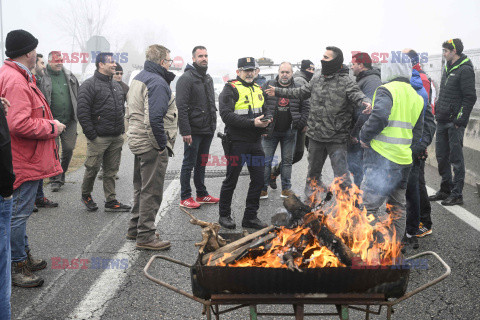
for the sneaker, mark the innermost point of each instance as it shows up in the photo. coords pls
(155, 244)
(452, 201)
(23, 277)
(89, 203)
(438, 196)
(227, 222)
(411, 241)
(286, 193)
(423, 231)
(254, 223)
(207, 199)
(55, 186)
(189, 203)
(115, 206)
(264, 194)
(35, 264)
(273, 182)
(35, 208)
(45, 203)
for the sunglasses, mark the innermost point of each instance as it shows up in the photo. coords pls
(119, 73)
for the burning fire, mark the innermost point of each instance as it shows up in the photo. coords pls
(372, 242)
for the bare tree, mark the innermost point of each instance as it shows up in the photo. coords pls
(82, 19)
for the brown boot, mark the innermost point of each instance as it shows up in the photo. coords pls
(23, 277)
(154, 245)
(35, 264)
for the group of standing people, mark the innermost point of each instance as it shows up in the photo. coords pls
(378, 128)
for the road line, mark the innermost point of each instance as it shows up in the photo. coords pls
(63, 278)
(96, 301)
(461, 213)
(169, 196)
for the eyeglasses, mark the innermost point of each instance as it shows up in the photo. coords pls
(169, 62)
(119, 73)
(453, 43)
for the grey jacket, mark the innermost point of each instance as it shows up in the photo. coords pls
(46, 88)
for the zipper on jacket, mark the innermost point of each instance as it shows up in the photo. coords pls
(115, 103)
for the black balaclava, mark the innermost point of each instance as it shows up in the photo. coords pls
(332, 66)
(308, 75)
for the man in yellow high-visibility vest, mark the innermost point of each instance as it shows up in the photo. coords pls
(387, 136)
(241, 108)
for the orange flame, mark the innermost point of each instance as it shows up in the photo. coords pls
(373, 242)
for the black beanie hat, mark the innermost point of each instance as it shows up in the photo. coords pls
(306, 64)
(118, 67)
(19, 42)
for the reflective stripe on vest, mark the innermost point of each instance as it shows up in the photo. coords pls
(250, 99)
(396, 138)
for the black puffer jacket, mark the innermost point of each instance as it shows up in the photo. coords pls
(457, 93)
(298, 108)
(100, 107)
(195, 97)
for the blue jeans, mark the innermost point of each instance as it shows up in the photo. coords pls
(22, 207)
(5, 258)
(355, 162)
(192, 159)
(40, 194)
(287, 141)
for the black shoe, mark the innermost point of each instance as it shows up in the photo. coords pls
(45, 203)
(55, 186)
(227, 222)
(273, 181)
(35, 208)
(452, 201)
(411, 242)
(254, 223)
(115, 206)
(89, 203)
(438, 196)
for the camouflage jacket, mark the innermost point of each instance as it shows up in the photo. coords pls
(332, 102)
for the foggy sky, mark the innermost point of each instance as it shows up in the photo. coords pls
(281, 30)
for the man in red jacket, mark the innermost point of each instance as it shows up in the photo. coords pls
(34, 152)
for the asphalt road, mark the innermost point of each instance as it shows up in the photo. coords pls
(122, 291)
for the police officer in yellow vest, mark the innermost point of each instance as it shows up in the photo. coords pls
(394, 125)
(241, 103)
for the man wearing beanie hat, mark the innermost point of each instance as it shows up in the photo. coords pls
(305, 74)
(60, 88)
(368, 79)
(455, 103)
(333, 96)
(118, 77)
(33, 131)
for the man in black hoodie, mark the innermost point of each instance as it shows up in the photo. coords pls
(368, 79)
(197, 119)
(455, 102)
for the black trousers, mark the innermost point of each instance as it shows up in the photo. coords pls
(253, 156)
(425, 207)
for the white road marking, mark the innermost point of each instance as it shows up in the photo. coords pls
(106, 286)
(461, 213)
(169, 196)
